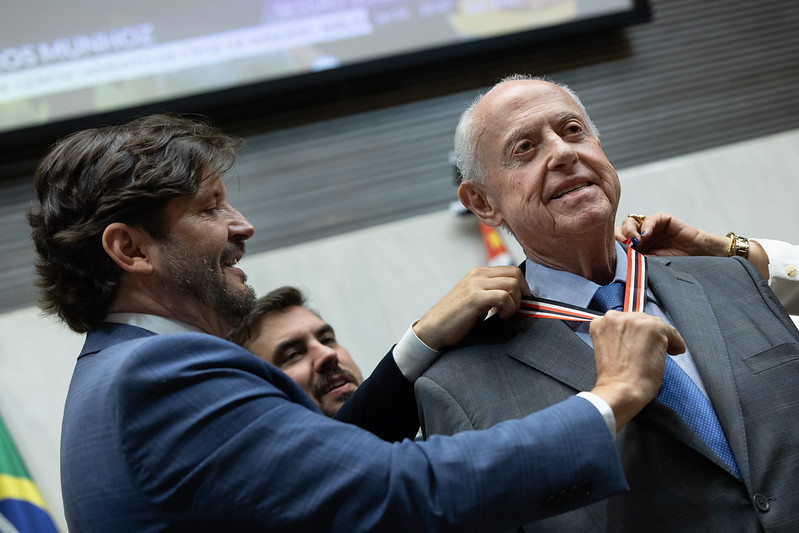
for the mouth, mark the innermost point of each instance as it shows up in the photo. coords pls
(336, 384)
(570, 189)
(231, 257)
(229, 262)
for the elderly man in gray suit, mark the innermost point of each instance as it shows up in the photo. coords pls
(718, 449)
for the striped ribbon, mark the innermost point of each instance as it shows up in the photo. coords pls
(634, 296)
(678, 391)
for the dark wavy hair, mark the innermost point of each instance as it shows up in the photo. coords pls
(125, 173)
(276, 301)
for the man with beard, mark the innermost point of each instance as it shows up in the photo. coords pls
(169, 427)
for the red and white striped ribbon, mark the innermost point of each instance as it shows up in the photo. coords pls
(634, 296)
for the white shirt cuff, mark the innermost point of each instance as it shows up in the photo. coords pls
(783, 266)
(783, 259)
(603, 408)
(413, 356)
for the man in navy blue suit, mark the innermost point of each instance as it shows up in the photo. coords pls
(167, 426)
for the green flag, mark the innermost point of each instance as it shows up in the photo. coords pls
(22, 509)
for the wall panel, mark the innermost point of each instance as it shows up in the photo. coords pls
(701, 74)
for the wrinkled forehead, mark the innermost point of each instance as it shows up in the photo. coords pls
(529, 101)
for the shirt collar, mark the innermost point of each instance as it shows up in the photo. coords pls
(566, 287)
(154, 323)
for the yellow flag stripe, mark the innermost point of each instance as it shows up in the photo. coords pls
(494, 241)
(17, 488)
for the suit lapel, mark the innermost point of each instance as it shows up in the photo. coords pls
(551, 347)
(684, 299)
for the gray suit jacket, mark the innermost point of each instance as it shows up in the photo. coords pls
(747, 352)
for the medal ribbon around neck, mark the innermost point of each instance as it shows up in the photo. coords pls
(634, 296)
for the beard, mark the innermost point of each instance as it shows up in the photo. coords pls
(331, 411)
(321, 386)
(204, 282)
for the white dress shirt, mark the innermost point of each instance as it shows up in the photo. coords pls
(783, 269)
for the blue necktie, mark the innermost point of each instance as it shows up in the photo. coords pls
(678, 391)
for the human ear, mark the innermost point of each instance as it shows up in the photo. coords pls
(476, 201)
(129, 247)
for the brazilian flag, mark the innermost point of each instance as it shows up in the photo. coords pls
(22, 509)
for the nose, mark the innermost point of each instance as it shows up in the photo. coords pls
(239, 228)
(562, 155)
(324, 356)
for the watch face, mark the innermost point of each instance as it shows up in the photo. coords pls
(738, 245)
(742, 247)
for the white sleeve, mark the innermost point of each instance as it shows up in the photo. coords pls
(603, 408)
(783, 272)
(413, 356)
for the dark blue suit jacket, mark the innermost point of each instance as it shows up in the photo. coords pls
(384, 404)
(188, 432)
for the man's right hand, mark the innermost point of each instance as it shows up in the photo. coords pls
(629, 349)
(483, 290)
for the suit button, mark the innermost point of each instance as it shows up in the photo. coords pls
(761, 502)
(581, 490)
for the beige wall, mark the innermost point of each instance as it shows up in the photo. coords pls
(371, 284)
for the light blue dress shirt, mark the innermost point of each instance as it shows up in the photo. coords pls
(576, 290)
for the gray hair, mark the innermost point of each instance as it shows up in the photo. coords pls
(468, 131)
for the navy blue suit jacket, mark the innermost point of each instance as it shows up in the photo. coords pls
(188, 432)
(384, 404)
